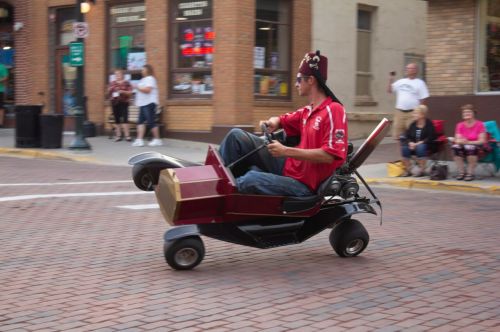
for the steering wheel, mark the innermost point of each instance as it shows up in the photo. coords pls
(269, 136)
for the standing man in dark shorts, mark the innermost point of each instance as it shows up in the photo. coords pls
(322, 127)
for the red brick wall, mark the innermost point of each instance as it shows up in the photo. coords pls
(451, 46)
(233, 61)
(22, 42)
(95, 62)
(156, 42)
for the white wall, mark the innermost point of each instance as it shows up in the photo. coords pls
(399, 27)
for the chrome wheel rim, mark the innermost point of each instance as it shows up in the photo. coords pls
(354, 247)
(186, 256)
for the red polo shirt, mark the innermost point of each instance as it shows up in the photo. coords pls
(324, 127)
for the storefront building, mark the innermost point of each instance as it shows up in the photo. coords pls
(463, 58)
(218, 63)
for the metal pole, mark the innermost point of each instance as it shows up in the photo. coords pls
(79, 142)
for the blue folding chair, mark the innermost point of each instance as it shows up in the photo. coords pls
(493, 157)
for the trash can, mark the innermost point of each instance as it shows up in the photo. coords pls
(51, 130)
(88, 129)
(28, 126)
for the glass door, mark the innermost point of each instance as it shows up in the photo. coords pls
(65, 83)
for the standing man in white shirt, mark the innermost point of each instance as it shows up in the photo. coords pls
(410, 93)
(146, 99)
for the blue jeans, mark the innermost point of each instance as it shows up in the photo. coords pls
(420, 151)
(147, 114)
(259, 173)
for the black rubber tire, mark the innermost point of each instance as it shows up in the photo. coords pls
(142, 178)
(349, 238)
(190, 249)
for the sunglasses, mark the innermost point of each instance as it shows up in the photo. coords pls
(300, 78)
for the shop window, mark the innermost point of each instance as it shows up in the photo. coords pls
(488, 75)
(363, 56)
(191, 59)
(65, 20)
(7, 51)
(271, 57)
(127, 50)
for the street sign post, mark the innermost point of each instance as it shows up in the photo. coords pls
(81, 29)
(76, 54)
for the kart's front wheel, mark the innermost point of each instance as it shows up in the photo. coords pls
(143, 179)
(184, 253)
(349, 238)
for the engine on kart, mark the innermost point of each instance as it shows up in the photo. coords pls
(344, 186)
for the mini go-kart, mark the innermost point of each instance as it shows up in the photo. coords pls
(202, 199)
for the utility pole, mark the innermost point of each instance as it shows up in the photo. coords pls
(79, 142)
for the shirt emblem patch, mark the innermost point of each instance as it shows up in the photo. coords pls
(317, 122)
(339, 135)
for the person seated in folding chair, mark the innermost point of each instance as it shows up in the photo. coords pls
(469, 140)
(417, 141)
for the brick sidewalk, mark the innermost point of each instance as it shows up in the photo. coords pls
(82, 264)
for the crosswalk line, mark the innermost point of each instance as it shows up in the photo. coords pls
(139, 206)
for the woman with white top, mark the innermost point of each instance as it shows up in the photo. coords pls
(146, 99)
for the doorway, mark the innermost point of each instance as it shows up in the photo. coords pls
(65, 83)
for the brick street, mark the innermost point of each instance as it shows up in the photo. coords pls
(84, 263)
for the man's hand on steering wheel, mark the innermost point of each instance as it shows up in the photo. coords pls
(272, 124)
(276, 149)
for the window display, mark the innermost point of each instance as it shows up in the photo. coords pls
(192, 55)
(272, 49)
(127, 50)
(488, 72)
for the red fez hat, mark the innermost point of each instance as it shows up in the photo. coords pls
(314, 63)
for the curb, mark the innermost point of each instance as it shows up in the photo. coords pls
(438, 185)
(34, 153)
(457, 186)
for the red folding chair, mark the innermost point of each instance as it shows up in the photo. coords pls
(438, 150)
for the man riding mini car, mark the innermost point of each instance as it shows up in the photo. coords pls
(299, 170)
(260, 193)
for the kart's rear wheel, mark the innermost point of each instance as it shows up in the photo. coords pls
(184, 253)
(349, 238)
(143, 179)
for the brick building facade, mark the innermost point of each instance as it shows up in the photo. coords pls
(243, 74)
(463, 58)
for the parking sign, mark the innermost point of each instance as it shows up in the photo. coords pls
(76, 54)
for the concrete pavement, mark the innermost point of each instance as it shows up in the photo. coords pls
(107, 152)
